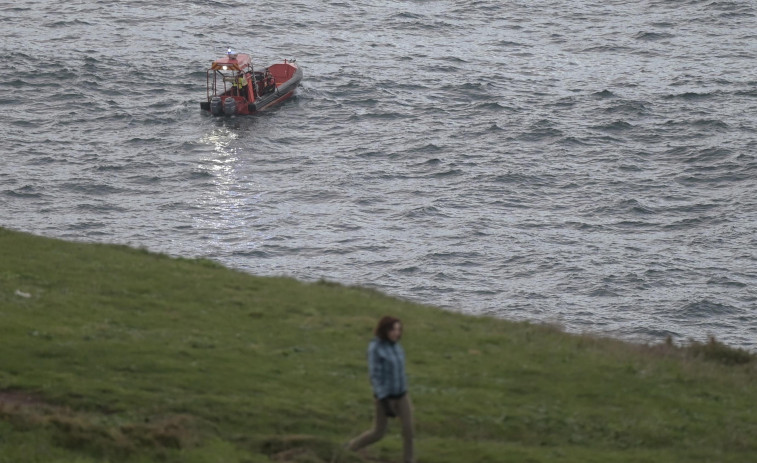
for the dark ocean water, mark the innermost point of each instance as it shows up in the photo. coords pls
(587, 163)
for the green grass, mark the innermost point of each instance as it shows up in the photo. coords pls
(120, 355)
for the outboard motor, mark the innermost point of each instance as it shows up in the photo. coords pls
(216, 106)
(230, 106)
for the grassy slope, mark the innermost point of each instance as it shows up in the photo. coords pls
(123, 355)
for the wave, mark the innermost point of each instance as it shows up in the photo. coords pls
(726, 281)
(691, 96)
(493, 106)
(100, 208)
(706, 309)
(604, 94)
(630, 107)
(25, 192)
(616, 126)
(653, 36)
(542, 130)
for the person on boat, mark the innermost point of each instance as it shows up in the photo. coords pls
(240, 83)
(386, 366)
(270, 84)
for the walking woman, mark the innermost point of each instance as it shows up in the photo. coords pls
(386, 366)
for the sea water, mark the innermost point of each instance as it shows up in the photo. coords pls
(586, 163)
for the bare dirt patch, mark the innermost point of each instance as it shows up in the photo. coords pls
(20, 398)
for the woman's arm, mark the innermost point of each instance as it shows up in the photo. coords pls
(376, 372)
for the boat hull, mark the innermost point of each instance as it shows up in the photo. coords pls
(287, 78)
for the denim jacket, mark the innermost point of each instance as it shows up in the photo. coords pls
(386, 367)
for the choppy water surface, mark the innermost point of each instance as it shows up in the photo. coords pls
(587, 163)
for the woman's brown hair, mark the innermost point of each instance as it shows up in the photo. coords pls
(384, 326)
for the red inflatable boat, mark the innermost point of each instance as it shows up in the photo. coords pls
(236, 88)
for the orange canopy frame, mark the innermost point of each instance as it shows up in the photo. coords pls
(236, 62)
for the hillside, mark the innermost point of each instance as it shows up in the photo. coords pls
(121, 355)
